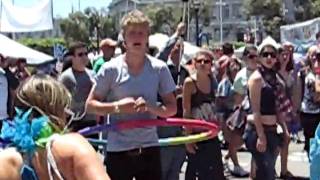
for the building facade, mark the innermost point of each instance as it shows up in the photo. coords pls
(234, 22)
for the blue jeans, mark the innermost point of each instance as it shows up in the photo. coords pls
(206, 164)
(265, 161)
(172, 159)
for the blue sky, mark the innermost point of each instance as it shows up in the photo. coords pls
(63, 7)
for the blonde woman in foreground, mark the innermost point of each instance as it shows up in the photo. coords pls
(36, 145)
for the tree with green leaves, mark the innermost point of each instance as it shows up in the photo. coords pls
(163, 19)
(88, 27)
(271, 12)
(75, 28)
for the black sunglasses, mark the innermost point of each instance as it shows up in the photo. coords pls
(82, 54)
(267, 54)
(252, 56)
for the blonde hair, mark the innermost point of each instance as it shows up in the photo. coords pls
(312, 49)
(45, 95)
(135, 17)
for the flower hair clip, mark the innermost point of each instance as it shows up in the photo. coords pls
(26, 133)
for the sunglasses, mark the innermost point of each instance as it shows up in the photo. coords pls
(82, 54)
(252, 56)
(267, 54)
(204, 61)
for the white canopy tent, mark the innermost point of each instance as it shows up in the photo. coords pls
(238, 52)
(11, 48)
(268, 40)
(159, 40)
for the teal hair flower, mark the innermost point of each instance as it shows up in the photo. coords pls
(24, 133)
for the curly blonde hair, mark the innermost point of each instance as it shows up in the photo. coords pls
(46, 96)
(135, 17)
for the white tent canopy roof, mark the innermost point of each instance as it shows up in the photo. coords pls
(11, 48)
(159, 40)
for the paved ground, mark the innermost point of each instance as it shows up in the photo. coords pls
(297, 163)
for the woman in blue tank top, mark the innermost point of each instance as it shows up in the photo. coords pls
(204, 158)
(36, 143)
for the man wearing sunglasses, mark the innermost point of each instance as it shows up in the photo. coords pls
(240, 89)
(78, 80)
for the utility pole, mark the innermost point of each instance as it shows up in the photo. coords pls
(127, 8)
(13, 34)
(196, 7)
(220, 3)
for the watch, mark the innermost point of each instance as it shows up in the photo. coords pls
(116, 108)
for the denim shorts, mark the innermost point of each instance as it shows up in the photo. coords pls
(265, 161)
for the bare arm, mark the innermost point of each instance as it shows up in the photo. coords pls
(96, 106)
(186, 97)
(188, 88)
(255, 84)
(86, 163)
(10, 163)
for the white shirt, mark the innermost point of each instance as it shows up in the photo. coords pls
(3, 95)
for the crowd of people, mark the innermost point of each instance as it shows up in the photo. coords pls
(259, 101)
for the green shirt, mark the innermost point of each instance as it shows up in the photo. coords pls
(240, 84)
(97, 64)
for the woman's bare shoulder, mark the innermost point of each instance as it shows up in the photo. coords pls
(11, 156)
(255, 77)
(70, 143)
(10, 163)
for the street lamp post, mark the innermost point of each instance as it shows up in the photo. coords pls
(196, 6)
(220, 3)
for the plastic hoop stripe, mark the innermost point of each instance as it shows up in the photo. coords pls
(191, 123)
(172, 141)
(123, 125)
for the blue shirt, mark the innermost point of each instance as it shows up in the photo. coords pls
(114, 82)
(225, 91)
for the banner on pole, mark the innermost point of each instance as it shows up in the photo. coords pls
(302, 35)
(22, 19)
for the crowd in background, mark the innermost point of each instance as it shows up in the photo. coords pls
(250, 97)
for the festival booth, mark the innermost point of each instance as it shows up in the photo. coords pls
(11, 48)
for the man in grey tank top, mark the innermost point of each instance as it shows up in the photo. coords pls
(127, 88)
(79, 80)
